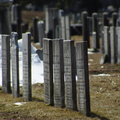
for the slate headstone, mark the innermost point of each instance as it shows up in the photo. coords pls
(70, 75)
(6, 64)
(58, 72)
(15, 65)
(83, 78)
(48, 71)
(27, 91)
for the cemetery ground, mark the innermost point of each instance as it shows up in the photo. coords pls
(104, 96)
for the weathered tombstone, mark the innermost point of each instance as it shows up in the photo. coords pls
(58, 72)
(67, 27)
(106, 43)
(50, 13)
(95, 29)
(118, 20)
(94, 42)
(41, 32)
(6, 64)
(15, 65)
(83, 78)
(113, 45)
(35, 29)
(118, 44)
(5, 26)
(105, 21)
(114, 18)
(85, 28)
(70, 75)
(27, 92)
(16, 19)
(63, 30)
(55, 24)
(48, 71)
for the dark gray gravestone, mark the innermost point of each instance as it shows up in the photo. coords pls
(5, 26)
(58, 72)
(69, 75)
(113, 45)
(35, 29)
(6, 64)
(118, 20)
(48, 71)
(41, 32)
(105, 20)
(118, 44)
(94, 41)
(15, 65)
(106, 43)
(95, 28)
(85, 28)
(27, 92)
(83, 78)
(114, 19)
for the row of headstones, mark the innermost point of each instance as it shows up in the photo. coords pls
(6, 70)
(37, 29)
(110, 45)
(61, 63)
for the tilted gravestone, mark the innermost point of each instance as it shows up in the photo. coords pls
(6, 64)
(83, 78)
(27, 91)
(70, 75)
(58, 72)
(15, 65)
(48, 71)
(41, 32)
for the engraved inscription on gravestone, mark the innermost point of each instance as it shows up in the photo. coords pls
(83, 78)
(6, 64)
(69, 75)
(27, 92)
(58, 72)
(48, 71)
(15, 65)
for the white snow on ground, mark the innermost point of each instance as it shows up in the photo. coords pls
(36, 64)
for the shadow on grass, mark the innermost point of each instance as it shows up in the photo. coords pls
(93, 115)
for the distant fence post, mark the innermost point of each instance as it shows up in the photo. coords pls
(58, 72)
(70, 75)
(83, 78)
(48, 71)
(6, 64)
(15, 65)
(27, 92)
